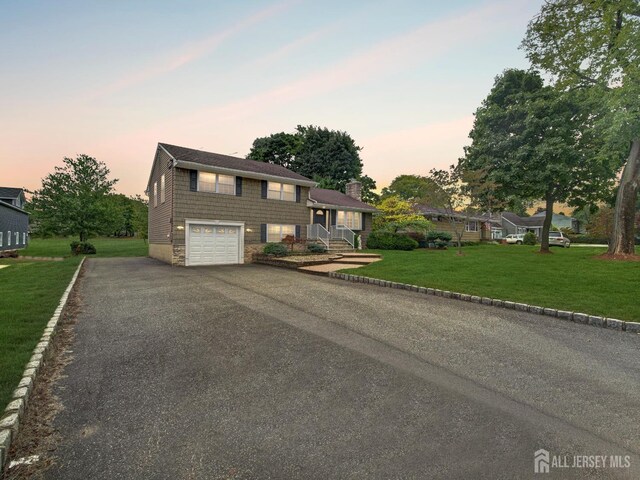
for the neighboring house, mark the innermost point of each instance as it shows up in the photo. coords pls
(491, 226)
(473, 225)
(561, 221)
(209, 209)
(14, 221)
(13, 196)
(512, 223)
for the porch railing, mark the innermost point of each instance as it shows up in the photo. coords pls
(318, 232)
(341, 232)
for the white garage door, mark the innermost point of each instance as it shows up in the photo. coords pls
(213, 244)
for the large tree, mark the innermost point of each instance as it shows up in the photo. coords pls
(411, 188)
(596, 45)
(72, 199)
(533, 142)
(330, 157)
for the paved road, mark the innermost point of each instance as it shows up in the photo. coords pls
(257, 372)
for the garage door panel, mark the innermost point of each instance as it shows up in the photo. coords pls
(214, 245)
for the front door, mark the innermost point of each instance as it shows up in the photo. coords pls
(320, 216)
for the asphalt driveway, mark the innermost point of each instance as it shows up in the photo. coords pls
(257, 372)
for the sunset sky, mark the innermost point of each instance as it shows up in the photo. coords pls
(113, 78)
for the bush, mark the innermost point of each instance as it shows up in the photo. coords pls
(316, 248)
(390, 241)
(588, 239)
(276, 249)
(82, 248)
(435, 235)
(529, 238)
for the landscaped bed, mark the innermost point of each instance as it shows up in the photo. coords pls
(569, 279)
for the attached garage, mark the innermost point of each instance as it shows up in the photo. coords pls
(214, 243)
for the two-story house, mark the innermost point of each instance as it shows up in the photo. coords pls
(210, 209)
(14, 221)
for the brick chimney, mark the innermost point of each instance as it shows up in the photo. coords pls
(354, 189)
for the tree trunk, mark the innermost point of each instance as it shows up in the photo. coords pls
(546, 225)
(622, 238)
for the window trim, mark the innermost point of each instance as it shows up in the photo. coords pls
(1, 239)
(280, 225)
(216, 183)
(281, 190)
(162, 189)
(155, 194)
(8, 238)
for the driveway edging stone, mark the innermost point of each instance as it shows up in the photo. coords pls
(576, 317)
(10, 419)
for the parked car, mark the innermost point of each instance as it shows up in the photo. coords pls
(516, 238)
(559, 239)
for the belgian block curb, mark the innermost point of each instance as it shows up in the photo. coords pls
(10, 419)
(593, 320)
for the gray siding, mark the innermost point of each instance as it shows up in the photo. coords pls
(160, 217)
(12, 220)
(250, 208)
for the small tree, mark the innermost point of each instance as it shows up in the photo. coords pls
(454, 198)
(71, 200)
(393, 209)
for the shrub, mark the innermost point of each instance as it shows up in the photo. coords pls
(529, 238)
(441, 244)
(316, 248)
(82, 248)
(390, 241)
(275, 249)
(588, 239)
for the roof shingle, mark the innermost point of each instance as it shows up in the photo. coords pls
(225, 161)
(339, 199)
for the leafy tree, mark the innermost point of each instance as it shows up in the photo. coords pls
(72, 199)
(534, 142)
(141, 217)
(596, 45)
(329, 157)
(411, 188)
(279, 148)
(456, 199)
(393, 209)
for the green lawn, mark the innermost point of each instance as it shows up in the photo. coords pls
(31, 291)
(572, 279)
(105, 247)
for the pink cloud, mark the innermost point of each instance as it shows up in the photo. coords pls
(191, 52)
(394, 54)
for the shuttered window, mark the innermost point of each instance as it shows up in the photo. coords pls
(281, 191)
(352, 220)
(216, 183)
(275, 233)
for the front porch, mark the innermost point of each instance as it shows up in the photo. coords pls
(338, 238)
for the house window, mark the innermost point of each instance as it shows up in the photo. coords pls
(216, 183)
(1, 244)
(155, 194)
(281, 191)
(471, 226)
(162, 185)
(17, 238)
(9, 238)
(352, 220)
(24, 238)
(275, 233)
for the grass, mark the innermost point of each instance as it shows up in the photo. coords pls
(105, 247)
(31, 291)
(573, 279)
